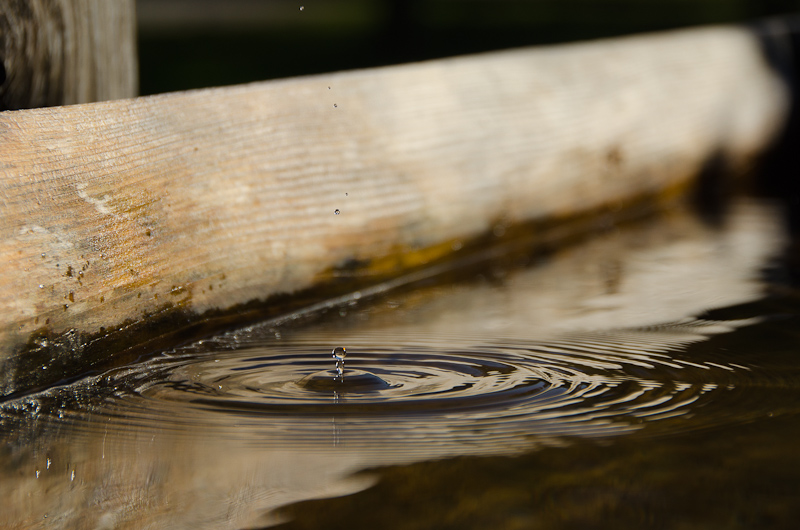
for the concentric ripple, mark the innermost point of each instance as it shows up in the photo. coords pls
(456, 399)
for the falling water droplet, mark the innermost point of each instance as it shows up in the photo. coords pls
(336, 211)
(339, 353)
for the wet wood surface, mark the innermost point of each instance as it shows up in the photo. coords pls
(116, 212)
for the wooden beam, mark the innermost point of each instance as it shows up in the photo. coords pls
(122, 212)
(61, 52)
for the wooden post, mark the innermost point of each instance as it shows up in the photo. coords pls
(61, 52)
(181, 206)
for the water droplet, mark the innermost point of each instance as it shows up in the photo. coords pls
(345, 194)
(41, 286)
(335, 105)
(336, 211)
(339, 353)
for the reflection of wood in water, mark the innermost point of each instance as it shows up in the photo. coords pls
(174, 464)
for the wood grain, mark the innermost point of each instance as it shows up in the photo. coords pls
(61, 52)
(113, 212)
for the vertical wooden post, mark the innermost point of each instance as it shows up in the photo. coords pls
(61, 52)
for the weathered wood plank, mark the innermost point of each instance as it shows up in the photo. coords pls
(208, 199)
(60, 52)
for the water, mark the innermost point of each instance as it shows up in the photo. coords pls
(646, 378)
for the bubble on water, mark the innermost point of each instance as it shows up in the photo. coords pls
(336, 211)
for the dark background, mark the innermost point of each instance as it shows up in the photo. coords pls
(187, 44)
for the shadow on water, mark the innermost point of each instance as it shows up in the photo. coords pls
(646, 377)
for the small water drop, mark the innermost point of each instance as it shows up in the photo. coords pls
(335, 105)
(345, 194)
(336, 211)
(339, 353)
(41, 286)
(302, 8)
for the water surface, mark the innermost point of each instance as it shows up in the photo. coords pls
(647, 377)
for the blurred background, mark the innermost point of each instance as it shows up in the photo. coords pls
(185, 44)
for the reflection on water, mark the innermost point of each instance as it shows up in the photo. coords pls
(638, 340)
